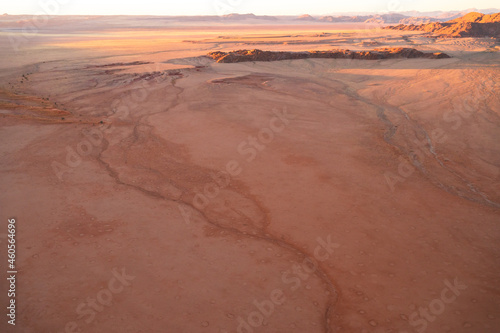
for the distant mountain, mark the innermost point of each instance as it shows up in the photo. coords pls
(477, 18)
(306, 17)
(389, 18)
(408, 17)
(449, 14)
(344, 18)
(386, 18)
(470, 25)
(419, 20)
(239, 17)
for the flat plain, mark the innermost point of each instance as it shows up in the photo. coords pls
(313, 195)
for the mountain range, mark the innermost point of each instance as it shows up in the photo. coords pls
(473, 24)
(409, 17)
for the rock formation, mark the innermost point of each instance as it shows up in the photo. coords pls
(471, 25)
(376, 54)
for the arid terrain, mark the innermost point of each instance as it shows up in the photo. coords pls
(470, 25)
(157, 190)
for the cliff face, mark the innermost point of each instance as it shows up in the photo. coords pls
(376, 54)
(470, 25)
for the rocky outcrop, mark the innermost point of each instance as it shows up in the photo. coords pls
(419, 20)
(470, 25)
(477, 18)
(376, 54)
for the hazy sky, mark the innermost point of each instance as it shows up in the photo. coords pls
(218, 7)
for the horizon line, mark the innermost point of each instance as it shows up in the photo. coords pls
(271, 15)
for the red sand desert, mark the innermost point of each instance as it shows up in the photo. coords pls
(157, 190)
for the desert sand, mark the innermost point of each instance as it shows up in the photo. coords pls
(156, 190)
